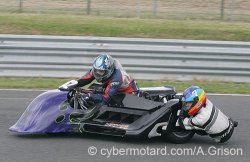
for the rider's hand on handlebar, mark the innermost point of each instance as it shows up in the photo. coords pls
(85, 96)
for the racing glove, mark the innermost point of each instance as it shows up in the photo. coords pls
(183, 114)
(85, 96)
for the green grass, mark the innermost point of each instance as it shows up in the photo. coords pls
(53, 83)
(46, 24)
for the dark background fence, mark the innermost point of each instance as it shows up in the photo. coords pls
(230, 10)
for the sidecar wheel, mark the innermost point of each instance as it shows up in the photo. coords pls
(175, 134)
(179, 137)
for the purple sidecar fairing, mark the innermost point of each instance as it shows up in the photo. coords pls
(48, 113)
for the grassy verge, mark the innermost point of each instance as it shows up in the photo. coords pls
(121, 27)
(52, 83)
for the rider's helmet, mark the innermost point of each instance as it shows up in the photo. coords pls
(194, 98)
(103, 67)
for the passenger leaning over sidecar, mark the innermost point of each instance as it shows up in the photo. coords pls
(199, 113)
(111, 74)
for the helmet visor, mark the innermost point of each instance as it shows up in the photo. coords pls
(187, 105)
(100, 73)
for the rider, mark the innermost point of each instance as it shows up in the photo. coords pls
(199, 113)
(114, 78)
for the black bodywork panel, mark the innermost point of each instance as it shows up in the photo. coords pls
(129, 115)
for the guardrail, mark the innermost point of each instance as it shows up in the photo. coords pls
(152, 59)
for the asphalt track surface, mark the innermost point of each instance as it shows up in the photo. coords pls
(75, 147)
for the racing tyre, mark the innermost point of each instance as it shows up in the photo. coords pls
(176, 134)
(179, 136)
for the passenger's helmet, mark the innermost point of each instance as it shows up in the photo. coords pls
(103, 67)
(194, 96)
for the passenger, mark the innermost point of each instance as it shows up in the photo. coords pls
(199, 113)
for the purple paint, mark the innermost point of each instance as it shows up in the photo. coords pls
(40, 116)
